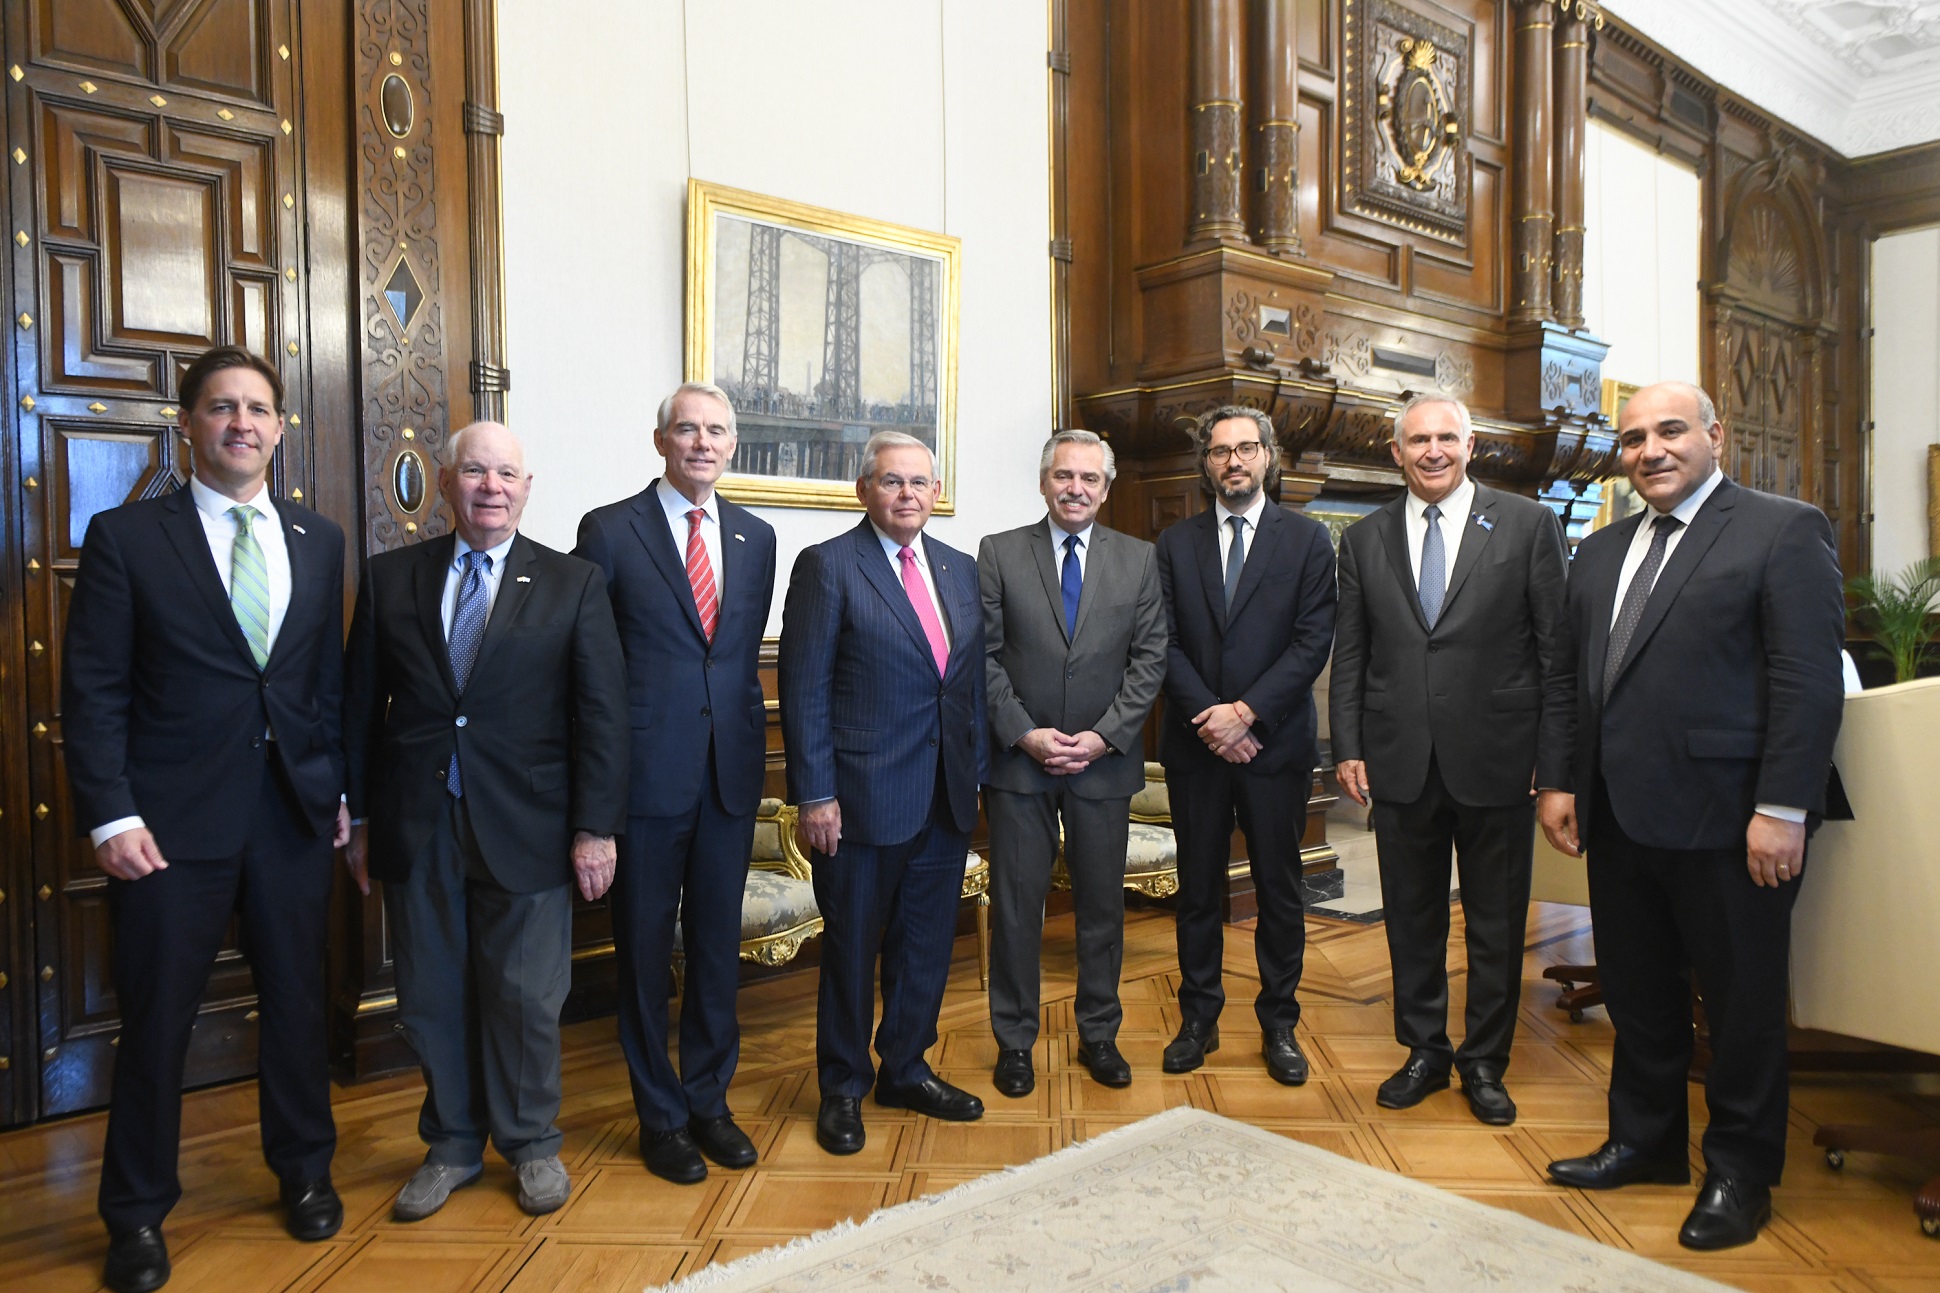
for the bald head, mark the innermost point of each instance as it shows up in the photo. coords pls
(1669, 442)
(486, 483)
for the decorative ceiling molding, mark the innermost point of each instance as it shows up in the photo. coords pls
(1863, 76)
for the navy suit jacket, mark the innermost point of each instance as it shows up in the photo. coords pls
(683, 691)
(162, 705)
(863, 714)
(1267, 650)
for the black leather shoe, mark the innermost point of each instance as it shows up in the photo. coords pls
(838, 1127)
(312, 1210)
(932, 1096)
(1488, 1099)
(1729, 1212)
(1615, 1165)
(1013, 1075)
(1108, 1067)
(1412, 1083)
(1286, 1063)
(672, 1156)
(722, 1141)
(1197, 1039)
(137, 1261)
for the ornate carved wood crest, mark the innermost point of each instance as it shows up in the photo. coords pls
(1406, 117)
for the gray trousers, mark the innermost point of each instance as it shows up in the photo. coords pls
(1023, 845)
(481, 976)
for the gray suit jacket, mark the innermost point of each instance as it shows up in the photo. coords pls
(1103, 678)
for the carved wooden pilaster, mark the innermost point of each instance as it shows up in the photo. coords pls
(1063, 412)
(1532, 179)
(483, 128)
(1572, 66)
(1276, 126)
(1213, 121)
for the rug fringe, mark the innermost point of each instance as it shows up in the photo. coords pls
(716, 1276)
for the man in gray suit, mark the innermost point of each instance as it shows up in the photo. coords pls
(1075, 642)
(1449, 704)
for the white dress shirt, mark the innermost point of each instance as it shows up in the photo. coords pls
(893, 549)
(677, 505)
(1058, 535)
(493, 574)
(1225, 531)
(1633, 560)
(1454, 521)
(219, 528)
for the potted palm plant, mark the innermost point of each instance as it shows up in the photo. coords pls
(1895, 609)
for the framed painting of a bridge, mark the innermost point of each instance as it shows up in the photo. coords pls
(823, 329)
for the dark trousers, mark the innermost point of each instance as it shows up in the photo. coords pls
(1660, 915)
(1494, 847)
(692, 868)
(898, 901)
(168, 927)
(1023, 845)
(1272, 814)
(481, 975)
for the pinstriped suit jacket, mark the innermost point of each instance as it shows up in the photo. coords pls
(863, 713)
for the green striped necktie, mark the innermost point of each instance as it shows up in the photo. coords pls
(249, 585)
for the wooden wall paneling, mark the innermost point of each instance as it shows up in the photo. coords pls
(1058, 88)
(17, 1019)
(1087, 185)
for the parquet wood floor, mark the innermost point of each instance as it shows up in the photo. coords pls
(624, 1229)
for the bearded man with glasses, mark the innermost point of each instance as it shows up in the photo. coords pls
(1249, 602)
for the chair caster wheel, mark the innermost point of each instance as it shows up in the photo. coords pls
(1931, 1227)
(1835, 1159)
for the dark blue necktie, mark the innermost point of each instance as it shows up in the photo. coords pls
(467, 631)
(1071, 583)
(1235, 557)
(1434, 567)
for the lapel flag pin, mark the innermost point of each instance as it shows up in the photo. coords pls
(299, 529)
(1484, 522)
(525, 579)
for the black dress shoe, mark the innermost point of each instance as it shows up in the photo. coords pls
(1286, 1063)
(1412, 1083)
(722, 1141)
(1108, 1067)
(672, 1155)
(1488, 1099)
(1729, 1212)
(137, 1261)
(312, 1210)
(1615, 1165)
(932, 1096)
(1013, 1075)
(1197, 1039)
(838, 1127)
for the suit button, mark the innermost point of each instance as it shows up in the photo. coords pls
(707, 711)
(255, 742)
(462, 720)
(1434, 646)
(932, 742)
(710, 663)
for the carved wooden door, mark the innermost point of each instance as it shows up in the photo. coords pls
(1766, 397)
(155, 209)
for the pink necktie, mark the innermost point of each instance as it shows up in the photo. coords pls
(919, 598)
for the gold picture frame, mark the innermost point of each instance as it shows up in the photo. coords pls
(866, 310)
(1619, 500)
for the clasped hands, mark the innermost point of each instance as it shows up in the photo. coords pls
(1774, 847)
(1227, 731)
(1061, 755)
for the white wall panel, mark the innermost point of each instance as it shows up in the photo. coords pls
(1640, 259)
(1906, 392)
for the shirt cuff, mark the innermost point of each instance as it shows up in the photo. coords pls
(1782, 813)
(120, 826)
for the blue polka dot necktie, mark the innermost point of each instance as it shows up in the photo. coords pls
(467, 631)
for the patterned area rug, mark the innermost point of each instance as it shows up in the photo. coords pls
(1188, 1200)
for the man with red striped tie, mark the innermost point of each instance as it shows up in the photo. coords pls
(691, 576)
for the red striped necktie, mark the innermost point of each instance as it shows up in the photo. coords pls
(700, 573)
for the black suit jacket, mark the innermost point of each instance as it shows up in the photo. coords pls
(161, 702)
(1730, 694)
(1267, 651)
(682, 690)
(863, 714)
(1488, 691)
(540, 731)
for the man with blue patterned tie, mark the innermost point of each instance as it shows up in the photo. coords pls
(486, 743)
(1074, 628)
(199, 699)
(1448, 705)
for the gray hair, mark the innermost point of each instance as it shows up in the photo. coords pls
(1416, 401)
(1707, 409)
(894, 440)
(1077, 436)
(695, 388)
(1202, 428)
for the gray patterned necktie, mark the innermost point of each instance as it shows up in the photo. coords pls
(467, 632)
(1634, 597)
(1235, 557)
(1434, 567)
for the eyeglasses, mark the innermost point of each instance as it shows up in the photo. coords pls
(1246, 451)
(896, 484)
